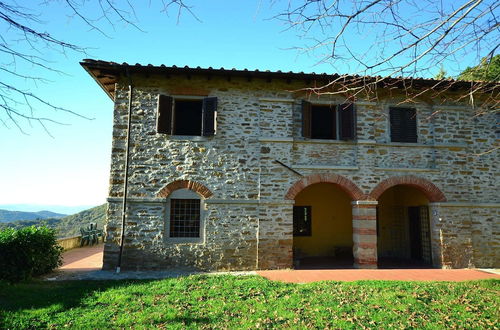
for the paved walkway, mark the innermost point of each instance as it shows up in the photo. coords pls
(86, 263)
(307, 276)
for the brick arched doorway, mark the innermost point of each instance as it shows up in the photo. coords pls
(323, 221)
(403, 221)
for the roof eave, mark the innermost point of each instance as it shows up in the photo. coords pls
(87, 68)
(113, 71)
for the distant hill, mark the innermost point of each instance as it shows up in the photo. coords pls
(64, 209)
(69, 225)
(9, 216)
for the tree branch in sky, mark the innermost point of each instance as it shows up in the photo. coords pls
(25, 45)
(378, 38)
(396, 38)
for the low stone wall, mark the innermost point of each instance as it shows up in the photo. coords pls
(69, 243)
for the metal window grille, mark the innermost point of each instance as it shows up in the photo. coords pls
(426, 235)
(184, 218)
(399, 233)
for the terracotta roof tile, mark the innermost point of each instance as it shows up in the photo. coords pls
(97, 67)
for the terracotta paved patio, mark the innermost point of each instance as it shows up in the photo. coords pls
(89, 258)
(306, 276)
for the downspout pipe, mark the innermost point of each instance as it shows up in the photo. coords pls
(125, 184)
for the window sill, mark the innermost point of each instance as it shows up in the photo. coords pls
(323, 167)
(404, 144)
(307, 141)
(324, 141)
(189, 138)
(362, 142)
(184, 240)
(420, 145)
(407, 169)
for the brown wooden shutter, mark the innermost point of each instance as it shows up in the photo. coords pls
(333, 129)
(411, 125)
(347, 121)
(306, 119)
(403, 124)
(208, 116)
(395, 118)
(164, 114)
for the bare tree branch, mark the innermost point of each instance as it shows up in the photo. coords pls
(24, 45)
(402, 38)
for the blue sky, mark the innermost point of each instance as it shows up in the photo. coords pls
(72, 169)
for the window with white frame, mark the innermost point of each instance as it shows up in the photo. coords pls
(184, 215)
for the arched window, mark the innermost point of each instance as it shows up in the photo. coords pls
(184, 216)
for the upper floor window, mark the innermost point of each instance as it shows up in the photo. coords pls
(186, 116)
(403, 124)
(328, 121)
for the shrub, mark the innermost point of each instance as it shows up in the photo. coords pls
(28, 252)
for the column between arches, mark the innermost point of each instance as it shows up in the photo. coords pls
(364, 233)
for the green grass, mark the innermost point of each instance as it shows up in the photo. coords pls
(249, 302)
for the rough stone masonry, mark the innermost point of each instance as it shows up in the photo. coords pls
(248, 196)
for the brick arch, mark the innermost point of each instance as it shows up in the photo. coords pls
(184, 184)
(433, 193)
(347, 185)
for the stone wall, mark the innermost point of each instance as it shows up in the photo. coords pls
(248, 219)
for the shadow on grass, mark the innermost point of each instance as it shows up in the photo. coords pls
(37, 294)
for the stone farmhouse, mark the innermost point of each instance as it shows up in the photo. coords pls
(218, 169)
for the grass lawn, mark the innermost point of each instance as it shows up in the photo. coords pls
(249, 302)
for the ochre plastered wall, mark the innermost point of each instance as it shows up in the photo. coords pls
(331, 221)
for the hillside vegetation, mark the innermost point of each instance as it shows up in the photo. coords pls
(9, 216)
(68, 225)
